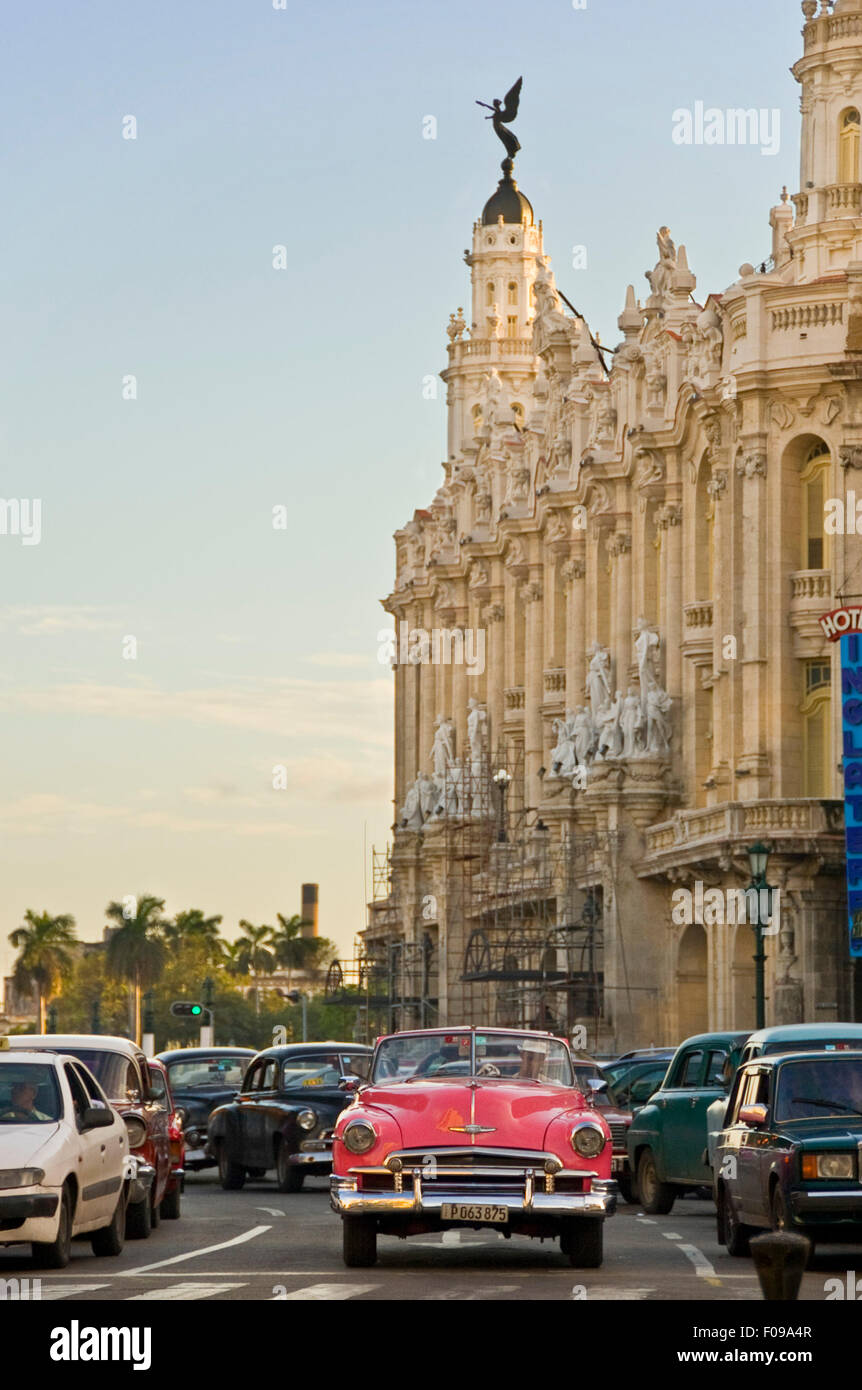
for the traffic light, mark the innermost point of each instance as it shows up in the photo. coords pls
(182, 1009)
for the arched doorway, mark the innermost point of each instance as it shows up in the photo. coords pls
(691, 982)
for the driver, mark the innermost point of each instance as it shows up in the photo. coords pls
(533, 1053)
(23, 1097)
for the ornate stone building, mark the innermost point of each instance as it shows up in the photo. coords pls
(634, 541)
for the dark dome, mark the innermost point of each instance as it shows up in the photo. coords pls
(508, 203)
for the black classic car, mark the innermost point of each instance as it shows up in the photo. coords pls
(284, 1116)
(790, 1155)
(200, 1079)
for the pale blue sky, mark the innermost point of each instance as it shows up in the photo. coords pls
(256, 387)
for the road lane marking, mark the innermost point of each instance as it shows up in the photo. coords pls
(193, 1254)
(646, 1221)
(610, 1293)
(316, 1293)
(70, 1291)
(671, 1235)
(486, 1293)
(183, 1293)
(271, 1211)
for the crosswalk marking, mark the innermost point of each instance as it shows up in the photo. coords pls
(324, 1292)
(461, 1295)
(56, 1291)
(183, 1293)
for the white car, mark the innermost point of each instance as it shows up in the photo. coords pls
(64, 1158)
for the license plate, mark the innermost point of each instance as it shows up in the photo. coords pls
(463, 1211)
(618, 1165)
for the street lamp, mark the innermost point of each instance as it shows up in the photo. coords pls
(758, 858)
(501, 781)
(295, 996)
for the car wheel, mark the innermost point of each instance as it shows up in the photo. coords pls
(583, 1242)
(656, 1198)
(55, 1254)
(288, 1177)
(139, 1220)
(231, 1175)
(359, 1235)
(736, 1236)
(111, 1239)
(170, 1207)
(627, 1188)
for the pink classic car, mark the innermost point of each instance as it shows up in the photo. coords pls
(472, 1127)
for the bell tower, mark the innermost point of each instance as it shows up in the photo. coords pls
(828, 230)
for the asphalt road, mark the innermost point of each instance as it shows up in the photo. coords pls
(262, 1244)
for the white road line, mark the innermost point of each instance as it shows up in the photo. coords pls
(70, 1291)
(487, 1294)
(193, 1254)
(701, 1264)
(671, 1235)
(184, 1293)
(451, 1238)
(646, 1221)
(271, 1211)
(319, 1293)
(611, 1294)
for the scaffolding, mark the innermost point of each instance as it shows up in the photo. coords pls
(389, 983)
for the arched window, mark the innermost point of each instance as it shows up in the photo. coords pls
(848, 147)
(815, 480)
(513, 293)
(816, 729)
(489, 293)
(477, 419)
(512, 326)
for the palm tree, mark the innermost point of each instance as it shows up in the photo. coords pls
(292, 950)
(255, 952)
(136, 948)
(193, 926)
(45, 954)
(234, 958)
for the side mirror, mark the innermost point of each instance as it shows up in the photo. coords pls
(753, 1115)
(97, 1117)
(596, 1087)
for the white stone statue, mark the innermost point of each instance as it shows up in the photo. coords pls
(411, 811)
(549, 316)
(599, 680)
(477, 729)
(631, 723)
(429, 796)
(563, 757)
(610, 734)
(658, 724)
(646, 647)
(584, 735)
(660, 277)
(443, 747)
(492, 412)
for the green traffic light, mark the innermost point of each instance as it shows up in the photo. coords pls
(196, 1009)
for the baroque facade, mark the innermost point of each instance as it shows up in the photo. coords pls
(634, 541)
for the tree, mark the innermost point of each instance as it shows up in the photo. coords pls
(136, 949)
(45, 954)
(255, 952)
(192, 925)
(292, 950)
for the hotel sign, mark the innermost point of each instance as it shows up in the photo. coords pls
(844, 625)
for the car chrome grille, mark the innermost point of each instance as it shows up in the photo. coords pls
(619, 1132)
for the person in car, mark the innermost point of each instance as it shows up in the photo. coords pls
(23, 1097)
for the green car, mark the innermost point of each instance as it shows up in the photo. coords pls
(668, 1138)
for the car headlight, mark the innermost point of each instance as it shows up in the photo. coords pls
(137, 1130)
(588, 1140)
(21, 1177)
(306, 1119)
(359, 1136)
(827, 1166)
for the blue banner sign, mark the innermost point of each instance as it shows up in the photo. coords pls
(844, 625)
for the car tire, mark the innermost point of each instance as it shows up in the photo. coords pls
(171, 1204)
(627, 1188)
(656, 1197)
(55, 1254)
(139, 1220)
(359, 1236)
(736, 1236)
(231, 1175)
(288, 1177)
(583, 1242)
(111, 1239)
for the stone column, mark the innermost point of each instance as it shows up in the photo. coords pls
(670, 621)
(751, 468)
(495, 635)
(574, 571)
(533, 595)
(620, 549)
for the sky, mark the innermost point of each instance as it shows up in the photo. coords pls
(164, 386)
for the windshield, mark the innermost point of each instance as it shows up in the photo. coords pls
(814, 1045)
(310, 1071)
(807, 1090)
(207, 1071)
(29, 1094)
(116, 1074)
(440, 1055)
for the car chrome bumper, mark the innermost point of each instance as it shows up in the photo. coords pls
(807, 1206)
(142, 1176)
(346, 1198)
(313, 1153)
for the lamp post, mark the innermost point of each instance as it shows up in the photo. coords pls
(501, 782)
(758, 858)
(296, 996)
